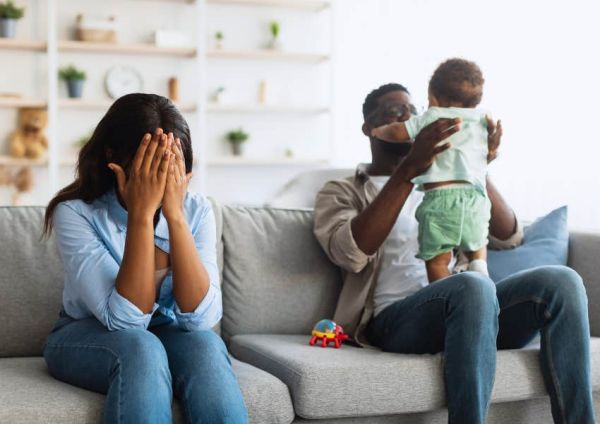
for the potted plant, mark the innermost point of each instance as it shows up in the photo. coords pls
(74, 78)
(275, 29)
(217, 95)
(219, 37)
(9, 15)
(236, 138)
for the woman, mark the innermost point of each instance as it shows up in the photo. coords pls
(141, 278)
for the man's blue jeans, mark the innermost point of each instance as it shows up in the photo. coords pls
(467, 317)
(139, 369)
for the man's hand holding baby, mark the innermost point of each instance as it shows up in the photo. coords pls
(425, 147)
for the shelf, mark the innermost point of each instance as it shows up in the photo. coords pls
(18, 44)
(16, 102)
(310, 5)
(245, 161)
(266, 54)
(7, 160)
(10, 161)
(143, 49)
(218, 108)
(104, 104)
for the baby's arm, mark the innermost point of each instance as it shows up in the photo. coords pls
(392, 133)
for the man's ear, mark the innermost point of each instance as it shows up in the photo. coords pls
(366, 129)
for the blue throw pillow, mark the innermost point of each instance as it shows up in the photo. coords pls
(545, 242)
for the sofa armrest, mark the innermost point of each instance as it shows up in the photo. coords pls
(584, 257)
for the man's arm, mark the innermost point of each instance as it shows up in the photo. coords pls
(503, 223)
(505, 231)
(371, 227)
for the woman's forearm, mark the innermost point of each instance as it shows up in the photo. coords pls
(135, 280)
(190, 279)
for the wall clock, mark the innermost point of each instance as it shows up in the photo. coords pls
(121, 80)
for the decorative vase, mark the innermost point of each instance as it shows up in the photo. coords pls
(75, 88)
(8, 28)
(237, 148)
(274, 44)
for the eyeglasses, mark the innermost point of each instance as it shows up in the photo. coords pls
(395, 110)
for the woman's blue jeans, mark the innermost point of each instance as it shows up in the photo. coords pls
(468, 317)
(139, 370)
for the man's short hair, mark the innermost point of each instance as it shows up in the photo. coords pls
(457, 81)
(372, 100)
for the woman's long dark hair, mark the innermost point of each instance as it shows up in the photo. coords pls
(116, 139)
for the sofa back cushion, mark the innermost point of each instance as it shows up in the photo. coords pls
(31, 282)
(276, 277)
(584, 250)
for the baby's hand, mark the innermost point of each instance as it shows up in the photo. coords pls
(392, 133)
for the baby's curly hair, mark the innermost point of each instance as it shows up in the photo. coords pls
(457, 81)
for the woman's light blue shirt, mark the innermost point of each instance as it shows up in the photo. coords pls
(91, 241)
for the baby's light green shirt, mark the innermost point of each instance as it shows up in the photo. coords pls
(466, 160)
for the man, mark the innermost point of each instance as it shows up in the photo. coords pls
(366, 225)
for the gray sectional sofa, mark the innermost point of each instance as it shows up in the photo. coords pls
(276, 284)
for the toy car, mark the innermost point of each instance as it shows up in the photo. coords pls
(328, 331)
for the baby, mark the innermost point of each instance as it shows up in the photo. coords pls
(455, 210)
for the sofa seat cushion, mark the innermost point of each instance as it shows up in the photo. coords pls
(352, 381)
(29, 394)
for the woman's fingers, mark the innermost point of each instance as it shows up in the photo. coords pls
(139, 155)
(163, 148)
(180, 161)
(163, 170)
(151, 150)
(180, 157)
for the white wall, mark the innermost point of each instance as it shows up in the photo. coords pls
(541, 63)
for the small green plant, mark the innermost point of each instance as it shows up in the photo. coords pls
(219, 36)
(275, 28)
(71, 73)
(237, 136)
(8, 10)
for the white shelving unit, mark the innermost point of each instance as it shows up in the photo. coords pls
(131, 49)
(241, 57)
(310, 5)
(22, 45)
(264, 54)
(17, 102)
(104, 104)
(226, 108)
(253, 162)
(52, 48)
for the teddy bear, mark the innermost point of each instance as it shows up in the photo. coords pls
(29, 140)
(22, 181)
